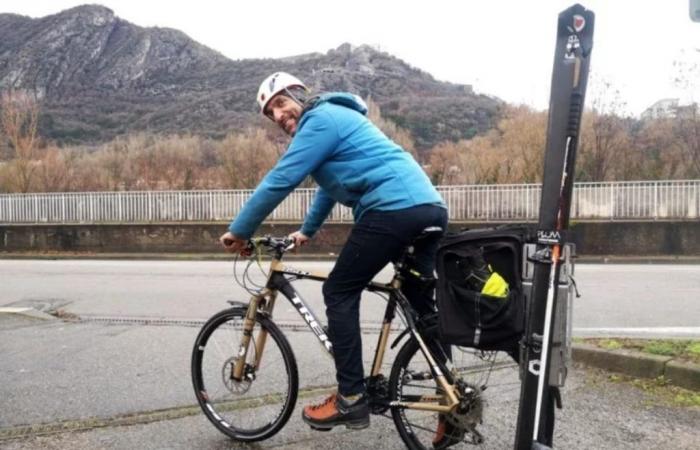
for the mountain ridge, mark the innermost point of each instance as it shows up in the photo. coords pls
(100, 76)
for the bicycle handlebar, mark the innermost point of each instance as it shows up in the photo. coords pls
(281, 244)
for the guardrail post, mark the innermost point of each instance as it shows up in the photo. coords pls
(656, 200)
(119, 206)
(488, 204)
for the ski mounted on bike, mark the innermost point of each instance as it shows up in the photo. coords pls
(569, 79)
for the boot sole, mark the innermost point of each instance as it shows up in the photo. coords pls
(350, 425)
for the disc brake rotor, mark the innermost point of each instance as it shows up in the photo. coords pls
(235, 387)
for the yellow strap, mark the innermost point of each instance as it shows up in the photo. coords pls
(496, 286)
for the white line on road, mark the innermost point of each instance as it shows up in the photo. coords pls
(686, 332)
(10, 310)
(374, 327)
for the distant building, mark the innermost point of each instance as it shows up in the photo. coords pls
(665, 108)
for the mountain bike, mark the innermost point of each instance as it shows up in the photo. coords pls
(246, 379)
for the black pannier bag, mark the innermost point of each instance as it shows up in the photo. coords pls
(467, 316)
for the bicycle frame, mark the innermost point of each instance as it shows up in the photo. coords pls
(264, 301)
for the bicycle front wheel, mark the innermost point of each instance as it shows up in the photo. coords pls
(486, 418)
(259, 405)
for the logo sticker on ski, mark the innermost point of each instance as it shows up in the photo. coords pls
(549, 237)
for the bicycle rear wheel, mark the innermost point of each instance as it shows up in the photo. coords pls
(488, 417)
(258, 406)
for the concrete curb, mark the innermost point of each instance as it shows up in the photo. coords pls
(641, 365)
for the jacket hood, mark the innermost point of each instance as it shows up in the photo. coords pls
(345, 99)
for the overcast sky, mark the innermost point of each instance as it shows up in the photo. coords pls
(501, 47)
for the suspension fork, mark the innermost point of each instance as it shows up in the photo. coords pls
(248, 325)
(266, 301)
(269, 298)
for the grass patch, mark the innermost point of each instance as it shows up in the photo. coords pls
(657, 391)
(667, 348)
(673, 395)
(694, 348)
(610, 344)
(682, 349)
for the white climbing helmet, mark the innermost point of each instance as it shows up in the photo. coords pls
(273, 85)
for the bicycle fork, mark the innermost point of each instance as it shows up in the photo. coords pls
(267, 300)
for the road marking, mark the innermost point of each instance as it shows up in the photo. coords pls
(291, 325)
(25, 312)
(640, 331)
(375, 327)
(10, 310)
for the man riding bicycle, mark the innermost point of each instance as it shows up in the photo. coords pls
(392, 201)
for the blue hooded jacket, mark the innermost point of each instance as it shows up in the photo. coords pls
(352, 161)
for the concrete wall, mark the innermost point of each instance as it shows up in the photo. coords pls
(591, 238)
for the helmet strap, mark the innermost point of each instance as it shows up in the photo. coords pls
(300, 99)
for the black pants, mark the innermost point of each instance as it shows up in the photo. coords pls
(378, 238)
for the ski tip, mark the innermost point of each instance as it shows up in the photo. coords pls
(578, 10)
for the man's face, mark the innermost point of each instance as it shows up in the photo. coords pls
(285, 112)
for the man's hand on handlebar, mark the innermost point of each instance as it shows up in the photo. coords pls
(234, 244)
(300, 238)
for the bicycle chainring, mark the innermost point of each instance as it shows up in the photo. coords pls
(378, 393)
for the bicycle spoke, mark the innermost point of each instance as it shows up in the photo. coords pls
(474, 372)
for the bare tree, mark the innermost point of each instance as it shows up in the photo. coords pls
(56, 170)
(604, 149)
(443, 158)
(510, 153)
(179, 162)
(687, 118)
(605, 142)
(394, 132)
(19, 117)
(246, 158)
(520, 140)
(686, 126)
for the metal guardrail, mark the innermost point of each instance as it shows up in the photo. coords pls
(638, 200)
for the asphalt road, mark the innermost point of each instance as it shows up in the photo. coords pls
(623, 299)
(96, 385)
(120, 379)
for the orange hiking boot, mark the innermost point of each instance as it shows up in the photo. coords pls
(446, 434)
(336, 410)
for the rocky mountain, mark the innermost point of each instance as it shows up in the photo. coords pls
(100, 76)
